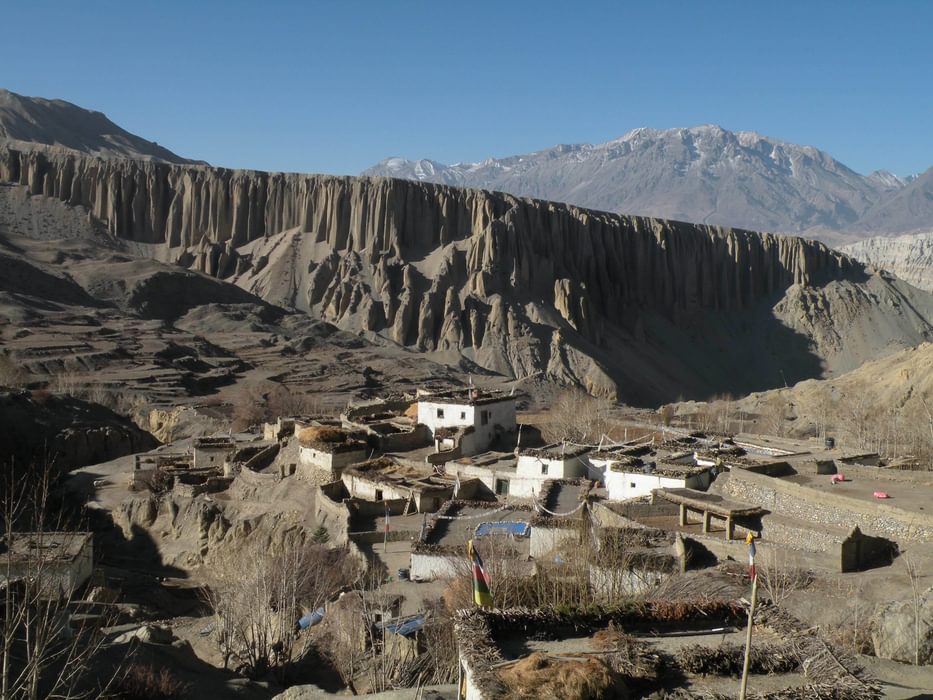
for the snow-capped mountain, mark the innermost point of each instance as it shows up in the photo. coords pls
(704, 174)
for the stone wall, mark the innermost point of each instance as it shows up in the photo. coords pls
(874, 518)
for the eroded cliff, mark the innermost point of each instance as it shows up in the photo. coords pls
(515, 285)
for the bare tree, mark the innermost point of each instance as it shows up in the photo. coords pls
(261, 591)
(249, 407)
(774, 415)
(578, 417)
(42, 652)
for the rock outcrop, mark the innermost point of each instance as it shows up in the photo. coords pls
(63, 433)
(902, 630)
(517, 286)
(909, 257)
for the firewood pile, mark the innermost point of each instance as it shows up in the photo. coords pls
(727, 659)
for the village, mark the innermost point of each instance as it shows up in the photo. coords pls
(612, 562)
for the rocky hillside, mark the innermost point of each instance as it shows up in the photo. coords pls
(635, 308)
(704, 174)
(62, 432)
(909, 257)
(56, 125)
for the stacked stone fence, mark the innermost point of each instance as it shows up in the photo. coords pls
(874, 518)
(262, 459)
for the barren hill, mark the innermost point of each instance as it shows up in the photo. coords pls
(628, 307)
(56, 125)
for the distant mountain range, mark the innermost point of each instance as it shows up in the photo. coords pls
(35, 123)
(703, 174)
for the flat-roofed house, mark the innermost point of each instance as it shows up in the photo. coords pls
(625, 480)
(324, 452)
(58, 562)
(466, 421)
(537, 465)
(212, 452)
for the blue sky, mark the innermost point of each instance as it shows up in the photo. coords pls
(337, 86)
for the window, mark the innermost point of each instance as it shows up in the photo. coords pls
(462, 415)
(440, 413)
(544, 466)
(485, 417)
(378, 494)
(502, 487)
(631, 484)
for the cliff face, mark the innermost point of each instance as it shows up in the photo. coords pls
(910, 257)
(517, 285)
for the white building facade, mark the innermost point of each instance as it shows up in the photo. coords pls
(483, 418)
(634, 482)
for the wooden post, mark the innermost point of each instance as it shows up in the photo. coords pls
(748, 639)
(683, 515)
(730, 527)
(706, 519)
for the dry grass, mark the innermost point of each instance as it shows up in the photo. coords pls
(541, 677)
(310, 436)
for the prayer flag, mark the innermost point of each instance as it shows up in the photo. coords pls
(481, 594)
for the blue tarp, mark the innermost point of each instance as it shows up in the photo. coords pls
(513, 528)
(311, 619)
(407, 626)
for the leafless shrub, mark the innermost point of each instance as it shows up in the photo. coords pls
(576, 416)
(779, 579)
(143, 682)
(67, 383)
(11, 373)
(260, 591)
(43, 652)
(249, 407)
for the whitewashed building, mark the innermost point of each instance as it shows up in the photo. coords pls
(466, 422)
(557, 461)
(624, 480)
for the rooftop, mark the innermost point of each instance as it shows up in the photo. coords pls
(557, 450)
(54, 546)
(618, 652)
(387, 471)
(466, 396)
(466, 516)
(712, 502)
(225, 442)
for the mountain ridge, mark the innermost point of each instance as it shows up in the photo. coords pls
(703, 174)
(514, 286)
(58, 125)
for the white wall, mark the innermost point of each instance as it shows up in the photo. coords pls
(484, 418)
(609, 584)
(329, 461)
(366, 489)
(427, 567)
(545, 539)
(551, 468)
(623, 485)
(453, 415)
